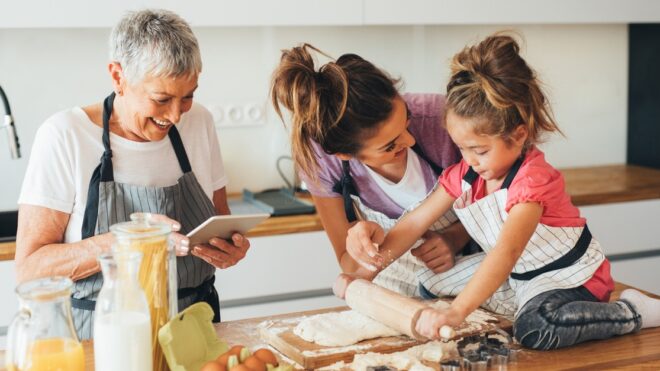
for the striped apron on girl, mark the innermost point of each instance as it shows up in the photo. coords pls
(554, 258)
(400, 275)
(109, 202)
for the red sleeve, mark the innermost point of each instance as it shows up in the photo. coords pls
(534, 183)
(538, 181)
(452, 178)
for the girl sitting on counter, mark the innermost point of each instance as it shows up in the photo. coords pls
(540, 262)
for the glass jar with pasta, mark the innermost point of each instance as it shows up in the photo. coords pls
(157, 273)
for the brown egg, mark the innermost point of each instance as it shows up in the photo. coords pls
(240, 368)
(255, 364)
(212, 366)
(223, 358)
(266, 356)
(235, 350)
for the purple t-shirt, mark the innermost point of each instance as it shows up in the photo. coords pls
(426, 126)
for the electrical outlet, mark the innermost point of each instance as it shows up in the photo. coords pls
(238, 115)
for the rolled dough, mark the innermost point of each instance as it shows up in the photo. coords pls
(341, 328)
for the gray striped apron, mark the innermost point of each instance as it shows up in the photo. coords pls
(554, 258)
(109, 202)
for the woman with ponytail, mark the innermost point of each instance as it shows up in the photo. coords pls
(540, 262)
(367, 152)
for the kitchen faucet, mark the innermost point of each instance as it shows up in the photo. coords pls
(8, 124)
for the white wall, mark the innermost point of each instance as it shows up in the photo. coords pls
(584, 68)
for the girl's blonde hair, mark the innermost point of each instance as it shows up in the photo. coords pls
(338, 105)
(491, 82)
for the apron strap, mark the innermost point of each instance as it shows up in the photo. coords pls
(471, 175)
(179, 149)
(84, 304)
(512, 173)
(567, 260)
(102, 173)
(346, 187)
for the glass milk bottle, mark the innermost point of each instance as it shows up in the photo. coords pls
(122, 329)
(42, 336)
(157, 274)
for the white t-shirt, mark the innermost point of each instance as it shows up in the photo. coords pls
(410, 189)
(68, 147)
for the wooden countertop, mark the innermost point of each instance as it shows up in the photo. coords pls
(586, 185)
(633, 351)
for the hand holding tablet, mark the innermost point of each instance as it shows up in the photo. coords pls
(222, 226)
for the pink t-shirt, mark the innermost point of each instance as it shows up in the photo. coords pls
(536, 181)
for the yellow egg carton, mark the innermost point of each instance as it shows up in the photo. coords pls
(189, 340)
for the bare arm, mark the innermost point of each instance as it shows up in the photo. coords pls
(493, 271)
(220, 201)
(333, 217)
(400, 238)
(40, 251)
(498, 264)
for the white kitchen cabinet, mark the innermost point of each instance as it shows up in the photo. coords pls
(199, 13)
(396, 12)
(627, 229)
(203, 13)
(643, 273)
(279, 307)
(287, 266)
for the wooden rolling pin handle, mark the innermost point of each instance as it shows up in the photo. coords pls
(385, 306)
(447, 332)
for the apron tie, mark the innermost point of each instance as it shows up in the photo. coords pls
(346, 187)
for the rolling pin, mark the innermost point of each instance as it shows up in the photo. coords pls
(390, 308)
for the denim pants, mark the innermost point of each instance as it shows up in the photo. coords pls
(565, 317)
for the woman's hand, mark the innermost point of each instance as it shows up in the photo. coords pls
(431, 321)
(437, 252)
(181, 243)
(222, 253)
(362, 243)
(341, 284)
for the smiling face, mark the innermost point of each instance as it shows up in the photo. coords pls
(489, 155)
(146, 111)
(388, 147)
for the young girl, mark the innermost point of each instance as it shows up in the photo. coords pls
(540, 262)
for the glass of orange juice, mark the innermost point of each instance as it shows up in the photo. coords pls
(42, 336)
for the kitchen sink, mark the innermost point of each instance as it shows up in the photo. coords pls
(8, 225)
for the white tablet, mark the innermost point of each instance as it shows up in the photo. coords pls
(223, 226)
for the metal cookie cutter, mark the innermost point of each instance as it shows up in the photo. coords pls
(478, 352)
(381, 368)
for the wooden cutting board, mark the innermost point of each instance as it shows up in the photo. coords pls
(279, 334)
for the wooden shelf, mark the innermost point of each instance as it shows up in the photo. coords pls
(587, 186)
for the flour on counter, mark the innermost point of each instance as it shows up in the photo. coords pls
(410, 359)
(341, 328)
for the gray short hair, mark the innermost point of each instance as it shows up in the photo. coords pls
(154, 42)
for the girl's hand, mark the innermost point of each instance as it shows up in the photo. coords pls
(341, 284)
(222, 253)
(437, 252)
(362, 242)
(431, 320)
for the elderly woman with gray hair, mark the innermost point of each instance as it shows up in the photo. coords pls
(158, 153)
